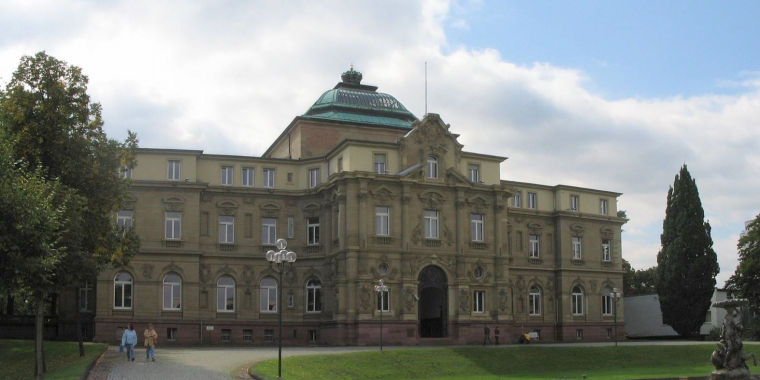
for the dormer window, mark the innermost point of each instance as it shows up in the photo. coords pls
(474, 172)
(432, 167)
(380, 163)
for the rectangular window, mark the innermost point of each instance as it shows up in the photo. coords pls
(173, 170)
(576, 248)
(290, 177)
(291, 301)
(313, 177)
(606, 256)
(312, 231)
(478, 297)
(384, 301)
(474, 172)
(291, 227)
(247, 335)
(269, 335)
(124, 219)
(84, 296)
(382, 221)
(172, 292)
(312, 336)
(607, 304)
(226, 229)
(431, 224)
(603, 206)
(609, 333)
(532, 201)
(171, 334)
(518, 199)
(226, 335)
(227, 173)
(432, 167)
(534, 248)
(247, 179)
(574, 203)
(269, 178)
(268, 231)
(476, 227)
(125, 172)
(380, 163)
(579, 334)
(268, 298)
(340, 164)
(173, 226)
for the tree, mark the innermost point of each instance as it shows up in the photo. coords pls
(49, 123)
(745, 282)
(686, 264)
(639, 281)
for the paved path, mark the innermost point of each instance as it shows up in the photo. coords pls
(217, 362)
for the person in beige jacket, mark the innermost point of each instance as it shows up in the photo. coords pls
(151, 340)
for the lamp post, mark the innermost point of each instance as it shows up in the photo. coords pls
(616, 295)
(277, 261)
(380, 289)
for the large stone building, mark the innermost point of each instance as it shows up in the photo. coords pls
(362, 190)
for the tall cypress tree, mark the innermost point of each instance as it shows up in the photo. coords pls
(686, 264)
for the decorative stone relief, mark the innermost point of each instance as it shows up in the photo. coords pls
(431, 199)
(382, 194)
(248, 274)
(464, 300)
(173, 203)
(409, 300)
(205, 273)
(147, 270)
(226, 207)
(364, 299)
(577, 230)
(502, 300)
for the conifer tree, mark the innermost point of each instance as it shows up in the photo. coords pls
(686, 264)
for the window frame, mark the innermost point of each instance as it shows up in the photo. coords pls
(314, 178)
(312, 231)
(126, 172)
(473, 171)
(476, 227)
(478, 301)
(247, 176)
(269, 177)
(123, 221)
(173, 170)
(271, 295)
(124, 296)
(577, 300)
(607, 300)
(532, 201)
(291, 227)
(173, 286)
(517, 199)
(431, 167)
(268, 231)
(604, 208)
(534, 301)
(228, 175)
(575, 202)
(84, 295)
(382, 221)
(577, 248)
(431, 218)
(175, 217)
(228, 289)
(534, 246)
(228, 227)
(606, 250)
(380, 166)
(383, 301)
(314, 296)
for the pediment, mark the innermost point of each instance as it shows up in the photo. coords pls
(173, 203)
(431, 199)
(382, 194)
(227, 207)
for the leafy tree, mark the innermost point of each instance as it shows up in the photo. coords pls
(50, 123)
(686, 264)
(745, 282)
(639, 281)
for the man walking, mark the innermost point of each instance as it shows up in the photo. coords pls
(151, 340)
(129, 340)
(486, 335)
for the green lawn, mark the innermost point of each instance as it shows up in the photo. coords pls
(62, 358)
(525, 362)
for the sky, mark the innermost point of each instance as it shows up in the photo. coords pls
(610, 95)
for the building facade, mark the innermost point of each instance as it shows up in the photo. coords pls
(361, 190)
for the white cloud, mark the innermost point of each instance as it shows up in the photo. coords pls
(228, 79)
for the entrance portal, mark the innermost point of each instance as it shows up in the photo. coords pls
(433, 303)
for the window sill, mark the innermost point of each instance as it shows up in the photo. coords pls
(383, 239)
(227, 247)
(535, 260)
(436, 243)
(478, 245)
(173, 243)
(577, 262)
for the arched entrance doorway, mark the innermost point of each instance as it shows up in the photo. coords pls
(433, 303)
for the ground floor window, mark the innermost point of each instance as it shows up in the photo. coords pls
(247, 335)
(312, 336)
(226, 335)
(269, 335)
(171, 333)
(579, 334)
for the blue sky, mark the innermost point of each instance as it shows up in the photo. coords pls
(625, 48)
(614, 95)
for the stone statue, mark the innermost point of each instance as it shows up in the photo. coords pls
(729, 357)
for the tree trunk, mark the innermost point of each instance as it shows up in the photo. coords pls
(79, 332)
(39, 319)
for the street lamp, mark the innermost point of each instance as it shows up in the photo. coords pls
(277, 261)
(616, 295)
(381, 289)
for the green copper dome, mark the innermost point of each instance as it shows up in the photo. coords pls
(351, 101)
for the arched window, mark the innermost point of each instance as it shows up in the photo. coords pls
(534, 300)
(577, 300)
(607, 301)
(122, 291)
(172, 292)
(225, 294)
(432, 167)
(313, 296)
(268, 295)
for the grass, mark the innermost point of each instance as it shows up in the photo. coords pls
(62, 359)
(526, 362)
